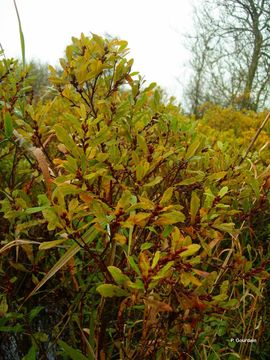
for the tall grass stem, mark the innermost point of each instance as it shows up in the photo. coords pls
(21, 35)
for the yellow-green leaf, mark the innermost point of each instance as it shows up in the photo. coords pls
(51, 244)
(220, 297)
(3, 306)
(191, 249)
(142, 144)
(224, 287)
(254, 289)
(194, 206)
(188, 278)
(118, 276)
(170, 218)
(134, 265)
(138, 219)
(193, 147)
(163, 272)
(155, 259)
(166, 196)
(226, 227)
(217, 176)
(66, 139)
(223, 191)
(154, 182)
(120, 238)
(73, 354)
(8, 125)
(111, 290)
(35, 209)
(177, 239)
(191, 180)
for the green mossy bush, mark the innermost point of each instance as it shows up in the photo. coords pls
(124, 219)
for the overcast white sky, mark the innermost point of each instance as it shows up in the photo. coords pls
(154, 30)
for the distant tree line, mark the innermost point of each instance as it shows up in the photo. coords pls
(230, 55)
(39, 73)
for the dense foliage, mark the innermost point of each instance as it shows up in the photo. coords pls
(128, 230)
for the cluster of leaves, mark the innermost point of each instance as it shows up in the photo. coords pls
(120, 216)
(237, 128)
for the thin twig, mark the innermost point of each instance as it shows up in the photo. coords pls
(255, 137)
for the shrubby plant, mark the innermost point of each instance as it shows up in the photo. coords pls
(123, 219)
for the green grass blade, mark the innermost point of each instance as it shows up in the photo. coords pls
(21, 34)
(74, 354)
(72, 251)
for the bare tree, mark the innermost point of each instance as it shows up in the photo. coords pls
(230, 54)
